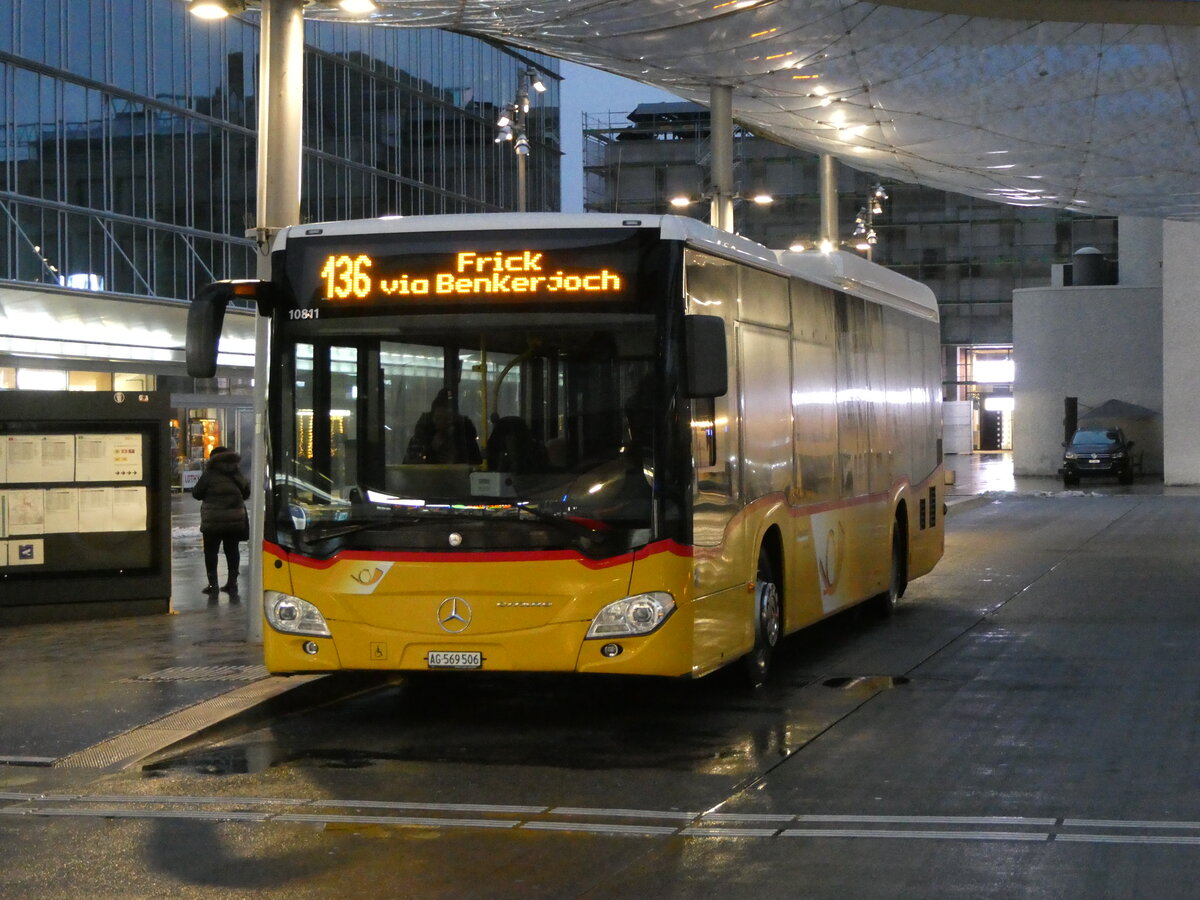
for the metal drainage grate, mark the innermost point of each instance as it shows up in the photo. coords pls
(206, 673)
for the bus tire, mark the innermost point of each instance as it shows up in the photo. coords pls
(768, 623)
(884, 604)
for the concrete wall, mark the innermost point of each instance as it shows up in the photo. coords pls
(1140, 243)
(1097, 344)
(1181, 352)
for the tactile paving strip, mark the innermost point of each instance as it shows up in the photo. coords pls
(126, 749)
(206, 673)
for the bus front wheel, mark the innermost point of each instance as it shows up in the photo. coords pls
(768, 622)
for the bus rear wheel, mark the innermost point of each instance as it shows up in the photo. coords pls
(884, 604)
(768, 623)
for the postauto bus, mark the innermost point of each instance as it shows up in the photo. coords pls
(581, 443)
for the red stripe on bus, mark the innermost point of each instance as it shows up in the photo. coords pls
(469, 557)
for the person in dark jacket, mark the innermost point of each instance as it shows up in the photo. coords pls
(222, 490)
(443, 436)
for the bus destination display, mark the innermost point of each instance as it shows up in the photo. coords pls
(343, 282)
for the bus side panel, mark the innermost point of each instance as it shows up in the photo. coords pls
(927, 531)
(723, 602)
(802, 592)
(849, 564)
(723, 618)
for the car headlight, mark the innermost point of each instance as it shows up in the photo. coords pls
(1070, 455)
(632, 616)
(1120, 454)
(291, 615)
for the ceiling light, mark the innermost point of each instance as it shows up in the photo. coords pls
(763, 199)
(358, 7)
(215, 9)
(680, 202)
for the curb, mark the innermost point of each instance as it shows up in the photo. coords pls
(966, 504)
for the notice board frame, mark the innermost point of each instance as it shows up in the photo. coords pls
(88, 574)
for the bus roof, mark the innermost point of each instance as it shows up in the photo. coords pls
(846, 272)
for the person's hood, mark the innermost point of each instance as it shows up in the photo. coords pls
(225, 459)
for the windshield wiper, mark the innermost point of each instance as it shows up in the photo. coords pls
(325, 530)
(567, 525)
(395, 517)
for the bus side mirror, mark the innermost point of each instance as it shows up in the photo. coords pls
(206, 315)
(705, 360)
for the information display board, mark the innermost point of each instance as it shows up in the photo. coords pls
(84, 501)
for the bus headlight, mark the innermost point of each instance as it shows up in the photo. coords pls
(291, 615)
(632, 616)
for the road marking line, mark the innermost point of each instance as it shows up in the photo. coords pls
(897, 833)
(1182, 840)
(513, 816)
(425, 821)
(1119, 823)
(125, 813)
(930, 820)
(624, 813)
(442, 807)
(748, 817)
(601, 828)
(197, 800)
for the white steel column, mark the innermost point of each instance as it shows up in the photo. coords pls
(829, 201)
(721, 136)
(280, 117)
(1181, 362)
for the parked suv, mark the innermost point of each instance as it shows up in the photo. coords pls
(1097, 451)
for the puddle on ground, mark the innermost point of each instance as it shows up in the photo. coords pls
(249, 759)
(866, 683)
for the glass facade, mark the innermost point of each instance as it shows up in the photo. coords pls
(127, 144)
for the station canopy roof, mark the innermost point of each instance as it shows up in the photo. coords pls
(1088, 105)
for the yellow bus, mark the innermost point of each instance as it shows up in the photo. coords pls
(582, 443)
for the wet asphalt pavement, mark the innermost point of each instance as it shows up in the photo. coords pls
(1024, 726)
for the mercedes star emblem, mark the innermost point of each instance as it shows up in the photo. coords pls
(454, 615)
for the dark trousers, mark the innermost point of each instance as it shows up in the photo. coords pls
(212, 545)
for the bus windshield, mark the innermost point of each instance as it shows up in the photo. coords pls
(497, 431)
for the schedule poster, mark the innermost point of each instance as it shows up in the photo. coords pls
(30, 458)
(108, 457)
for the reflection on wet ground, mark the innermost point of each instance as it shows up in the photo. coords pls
(984, 472)
(711, 727)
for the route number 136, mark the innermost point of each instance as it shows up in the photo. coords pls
(347, 276)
